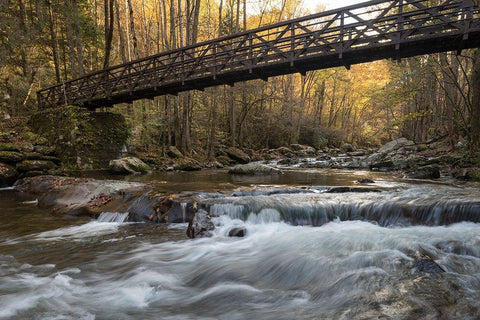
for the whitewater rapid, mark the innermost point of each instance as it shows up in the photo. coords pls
(340, 270)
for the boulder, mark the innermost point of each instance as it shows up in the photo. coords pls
(35, 165)
(237, 232)
(201, 225)
(347, 147)
(395, 145)
(303, 150)
(254, 169)
(10, 157)
(425, 172)
(75, 196)
(383, 165)
(284, 151)
(128, 165)
(8, 175)
(237, 155)
(187, 164)
(173, 152)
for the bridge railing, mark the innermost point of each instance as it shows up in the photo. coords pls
(334, 32)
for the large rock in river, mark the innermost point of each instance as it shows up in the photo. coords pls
(187, 164)
(425, 172)
(254, 169)
(79, 196)
(395, 145)
(201, 225)
(128, 165)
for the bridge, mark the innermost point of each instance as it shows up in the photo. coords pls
(359, 33)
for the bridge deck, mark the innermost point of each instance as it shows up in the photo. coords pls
(365, 32)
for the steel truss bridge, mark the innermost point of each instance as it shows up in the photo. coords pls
(359, 33)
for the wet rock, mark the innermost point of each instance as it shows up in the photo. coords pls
(254, 169)
(288, 162)
(173, 152)
(237, 155)
(365, 181)
(425, 172)
(317, 165)
(128, 165)
(35, 165)
(358, 153)
(427, 265)
(383, 165)
(10, 157)
(201, 225)
(8, 175)
(350, 189)
(79, 196)
(187, 164)
(323, 157)
(237, 232)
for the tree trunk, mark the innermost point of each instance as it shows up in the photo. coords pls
(109, 21)
(475, 112)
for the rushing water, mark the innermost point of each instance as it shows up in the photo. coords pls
(286, 267)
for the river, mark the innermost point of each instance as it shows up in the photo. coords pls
(307, 253)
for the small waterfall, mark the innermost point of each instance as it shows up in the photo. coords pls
(183, 205)
(118, 217)
(388, 208)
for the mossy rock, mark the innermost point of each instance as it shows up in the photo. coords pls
(224, 160)
(81, 137)
(46, 150)
(35, 165)
(10, 157)
(173, 152)
(38, 156)
(9, 147)
(8, 175)
(238, 155)
(128, 165)
(473, 174)
(187, 164)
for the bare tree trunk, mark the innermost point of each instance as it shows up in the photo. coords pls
(132, 29)
(121, 36)
(475, 112)
(78, 38)
(109, 21)
(53, 42)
